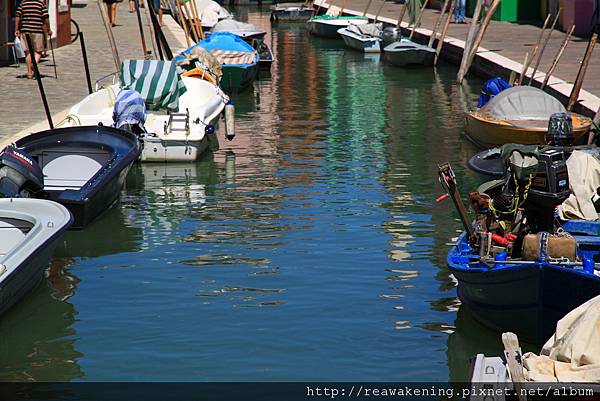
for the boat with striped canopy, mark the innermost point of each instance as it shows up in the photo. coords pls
(182, 113)
(239, 60)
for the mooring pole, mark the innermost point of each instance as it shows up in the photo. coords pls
(38, 78)
(583, 69)
(85, 62)
(160, 37)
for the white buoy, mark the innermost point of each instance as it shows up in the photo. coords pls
(229, 121)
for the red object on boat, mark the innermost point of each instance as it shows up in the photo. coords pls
(500, 240)
(441, 198)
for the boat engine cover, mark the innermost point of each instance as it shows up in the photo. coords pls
(20, 175)
(390, 35)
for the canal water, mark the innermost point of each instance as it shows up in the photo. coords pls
(309, 248)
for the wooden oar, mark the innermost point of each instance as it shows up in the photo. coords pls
(183, 23)
(418, 21)
(190, 18)
(581, 73)
(438, 21)
(379, 10)
(444, 32)
(401, 16)
(367, 7)
(109, 33)
(197, 19)
(469, 42)
(523, 71)
(484, 25)
(536, 48)
(558, 56)
(539, 58)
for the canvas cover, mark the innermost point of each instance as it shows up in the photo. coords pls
(231, 25)
(584, 178)
(229, 48)
(572, 354)
(522, 103)
(157, 81)
(210, 12)
(129, 108)
(367, 29)
(202, 58)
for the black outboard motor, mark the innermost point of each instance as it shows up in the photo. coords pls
(560, 130)
(20, 175)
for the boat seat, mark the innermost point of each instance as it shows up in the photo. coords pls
(12, 232)
(69, 171)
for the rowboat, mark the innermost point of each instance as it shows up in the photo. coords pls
(239, 61)
(209, 12)
(289, 12)
(185, 111)
(328, 25)
(406, 52)
(526, 298)
(365, 38)
(84, 168)
(515, 271)
(30, 229)
(519, 115)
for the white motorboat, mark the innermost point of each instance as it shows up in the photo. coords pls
(406, 52)
(328, 25)
(29, 232)
(242, 29)
(365, 38)
(183, 134)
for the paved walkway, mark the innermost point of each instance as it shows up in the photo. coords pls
(21, 103)
(506, 44)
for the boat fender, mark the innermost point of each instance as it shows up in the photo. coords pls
(229, 121)
(213, 141)
(588, 265)
(501, 257)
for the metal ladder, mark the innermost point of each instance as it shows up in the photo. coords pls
(178, 122)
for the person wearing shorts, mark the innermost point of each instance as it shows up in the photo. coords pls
(157, 10)
(111, 10)
(31, 19)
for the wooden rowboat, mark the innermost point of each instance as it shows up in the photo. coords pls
(487, 132)
(519, 115)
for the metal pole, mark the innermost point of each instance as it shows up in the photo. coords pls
(38, 78)
(85, 62)
(159, 33)
(156, 29)
(139, 20)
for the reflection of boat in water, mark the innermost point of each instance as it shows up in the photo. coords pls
(38, 342)
(109, 235)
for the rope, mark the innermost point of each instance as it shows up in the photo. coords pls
(70, 118)
(515, 201)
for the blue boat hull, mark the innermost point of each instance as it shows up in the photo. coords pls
(104, 188)
(527, 299)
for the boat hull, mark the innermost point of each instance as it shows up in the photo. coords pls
(527, 299)
(362, 44)
(24, 265)
(328, 27)
(408, 57)
(486, 132)
(238, 78)
(102, 190)
(292, 15)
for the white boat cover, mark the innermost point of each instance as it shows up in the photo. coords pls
(233, 26)
(367, 29)
(584, 178)
(211, 12)
(572, 354)
(522, 103)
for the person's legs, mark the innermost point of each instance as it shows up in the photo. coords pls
(29, 65)
(114, 14)
(160, 16)
(463, 6)
(131, 6)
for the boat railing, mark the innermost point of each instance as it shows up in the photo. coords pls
(101, 84)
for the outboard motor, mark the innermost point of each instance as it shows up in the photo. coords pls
(390, 35)
(20, 175)
(129, 112)
(560, 130)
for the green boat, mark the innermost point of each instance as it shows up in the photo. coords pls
(327, 26)
(239, 60)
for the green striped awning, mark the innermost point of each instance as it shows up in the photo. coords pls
(157, 81)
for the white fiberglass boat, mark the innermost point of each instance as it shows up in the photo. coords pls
(182, 134)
